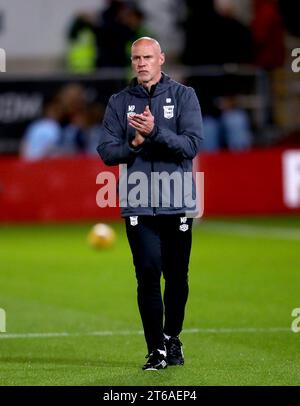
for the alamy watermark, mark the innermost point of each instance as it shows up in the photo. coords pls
(165, 190)
(296, 322)
(296, 61)
(2, 321)
(2, 60)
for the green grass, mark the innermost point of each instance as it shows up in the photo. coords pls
(240, 277)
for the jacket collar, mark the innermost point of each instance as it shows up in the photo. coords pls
(138, 90)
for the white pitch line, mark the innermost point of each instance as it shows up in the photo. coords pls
(5, 336)
(249, 230)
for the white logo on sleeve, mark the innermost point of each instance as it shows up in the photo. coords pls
(168, 101)
(169, 112)
(134, 221)
(184, 227)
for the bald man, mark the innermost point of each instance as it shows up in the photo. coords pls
(154, 128)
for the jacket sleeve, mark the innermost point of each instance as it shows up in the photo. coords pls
(186, 143)
(114, 147)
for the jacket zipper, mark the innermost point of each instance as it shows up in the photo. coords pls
(152, 163)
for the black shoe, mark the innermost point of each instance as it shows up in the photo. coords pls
(156, 361)
(174, 351)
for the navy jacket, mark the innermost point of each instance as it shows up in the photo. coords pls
(169, 150)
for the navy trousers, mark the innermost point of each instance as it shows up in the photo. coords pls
(160, 245)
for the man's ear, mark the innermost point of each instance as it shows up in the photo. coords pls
(162, 58)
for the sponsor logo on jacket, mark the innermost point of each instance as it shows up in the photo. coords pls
(131, 111)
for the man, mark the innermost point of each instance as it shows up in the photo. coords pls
(155, 126)
(42, 137)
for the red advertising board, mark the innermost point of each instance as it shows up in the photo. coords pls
(251, 183)
(51, 190)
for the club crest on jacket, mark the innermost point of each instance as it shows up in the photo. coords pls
(169, 112)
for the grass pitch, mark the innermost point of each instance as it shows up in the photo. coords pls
(72, 317)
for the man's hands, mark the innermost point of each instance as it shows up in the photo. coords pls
(143, 124)
(138, 140)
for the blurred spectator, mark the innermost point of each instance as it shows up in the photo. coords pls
(111, 36)
(73, 98)
(223, 39)
(234, 37)
(268, 35)
(41, 139)
(103, 39)
(243, 10)
(73, 139)
(212, 134)
(112, 11)
(82, 49)
(94, 118)
(229, 129)
(70, 125)
(290, 11)
(200, 33)
(120, 24)
(133, 18)
(235, 125)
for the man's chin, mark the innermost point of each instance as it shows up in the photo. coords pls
(144, 77)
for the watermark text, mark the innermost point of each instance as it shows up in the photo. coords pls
(2, 60)
(296, 323)
(2, 321)
(296, 61)
(164, 190)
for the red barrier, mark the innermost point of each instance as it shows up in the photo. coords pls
(51, 190)
(256, 182)
(250, 183)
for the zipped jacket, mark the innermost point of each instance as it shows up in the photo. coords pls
(156, 177)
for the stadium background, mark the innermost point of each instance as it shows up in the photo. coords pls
(71, 311)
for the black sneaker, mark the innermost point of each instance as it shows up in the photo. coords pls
(174, 351)
(156, 360)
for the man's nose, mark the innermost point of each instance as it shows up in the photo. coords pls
(142, 62)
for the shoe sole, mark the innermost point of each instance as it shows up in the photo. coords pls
(151, 369)
(155, 369)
